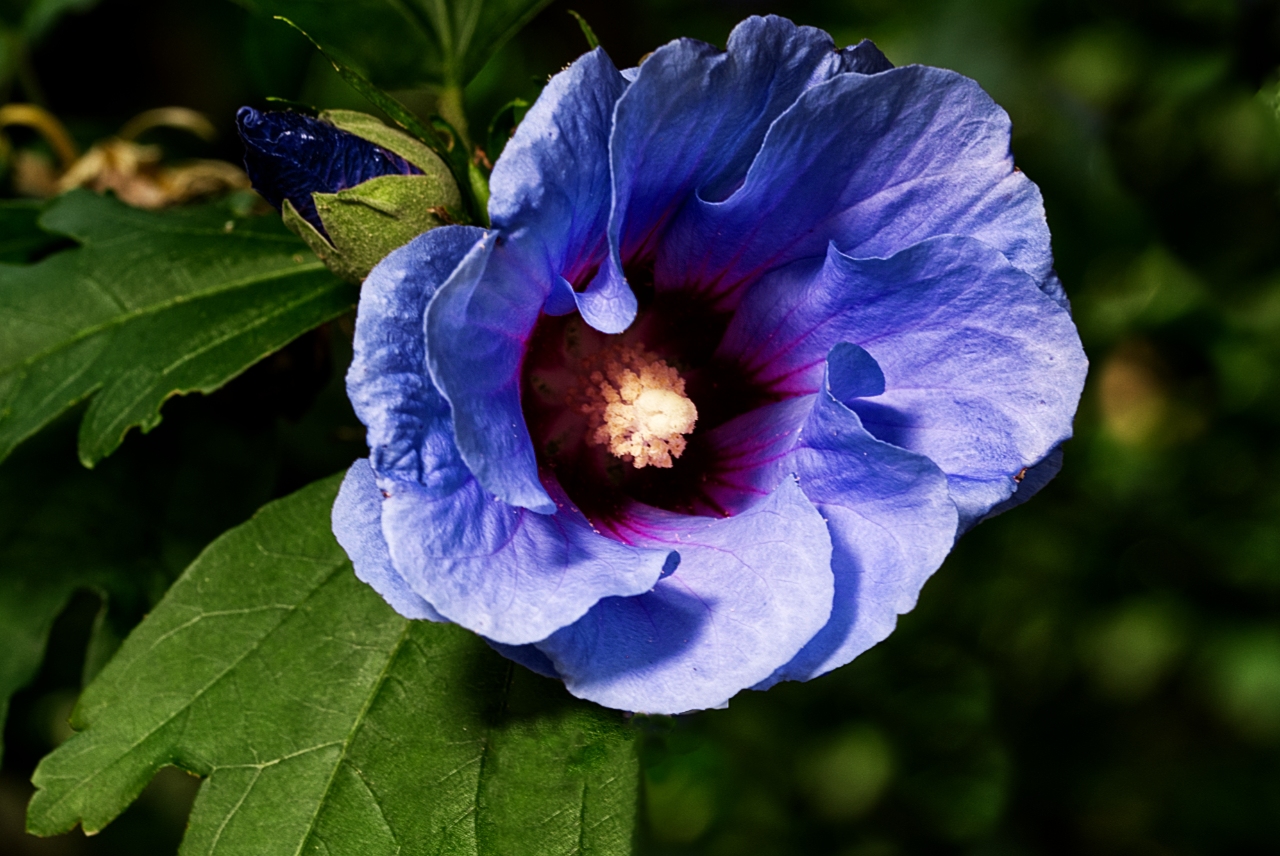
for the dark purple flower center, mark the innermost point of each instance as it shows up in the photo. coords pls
(568, 361)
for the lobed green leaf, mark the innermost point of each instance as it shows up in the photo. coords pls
(20, 232)
(326, 723)
(152, 304)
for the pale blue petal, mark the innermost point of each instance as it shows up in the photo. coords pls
(853, 373)
(695, 117)
(874, 163)
(983, 370)
(476, 334)
(507, 573)
(549, 192)
(892, 523)
(1032, 482)
(748, 593)
(357, 524)
(500, 570)
(549, 206)
(388, 382)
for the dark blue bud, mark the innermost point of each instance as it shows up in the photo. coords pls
(290, 156)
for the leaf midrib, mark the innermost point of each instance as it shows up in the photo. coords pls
(356, 723)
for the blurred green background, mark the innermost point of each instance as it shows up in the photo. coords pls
(1096, 672)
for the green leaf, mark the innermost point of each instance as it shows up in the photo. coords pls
(152, 304)
(326, 723)
(410, 42)
(20, 232)
(384, 101)
(587, 33)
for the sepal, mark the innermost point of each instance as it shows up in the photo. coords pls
(368, 221)
(370, 128)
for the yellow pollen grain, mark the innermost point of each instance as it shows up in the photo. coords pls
(636, 406)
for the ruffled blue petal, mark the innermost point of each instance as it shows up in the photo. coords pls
(853, 373)
(982, 369)
(507, 573)
(393, 397)
(892, 523)
(290, 156)
(499, 570)
(748, 593)
(550, 191)
(550, 188)
(409, 434)
(549, 206)
(1052, 286)
(357, 524)
(862, 58)
(477, 327)
(695, 117)
(873, 163)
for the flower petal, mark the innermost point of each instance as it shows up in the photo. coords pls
(853, 373)
(357, 524)
(748, 457)
(477, 327)
(1032, 482)
(1052, 286)
(290, 156)
(695, 117)
(873, 163)
(507, 573)
(549, 192)
(748, 593)
(892, 522)
(863, 58)
(549, 207)
(982, 369)
(499, 570)
(388, 382)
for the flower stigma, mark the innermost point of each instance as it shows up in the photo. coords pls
(637, 407)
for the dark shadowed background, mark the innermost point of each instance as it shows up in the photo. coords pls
(1095, 672)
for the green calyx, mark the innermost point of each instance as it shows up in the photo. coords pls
(368, 221)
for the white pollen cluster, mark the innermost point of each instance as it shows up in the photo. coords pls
(637, 408)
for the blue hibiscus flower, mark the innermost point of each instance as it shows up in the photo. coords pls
(755, 335)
